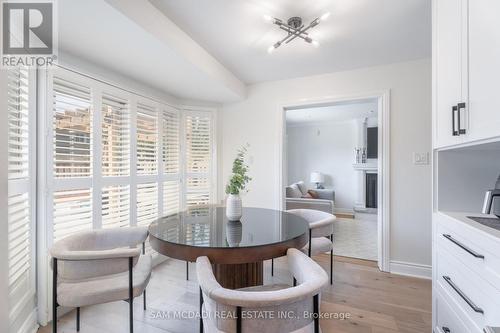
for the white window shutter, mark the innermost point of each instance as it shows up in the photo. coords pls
(115, 136)
(20, 219)
(18, 123)
(198, 143)
(147, 140)
(72, 212)
(116, 206)
(171, 144)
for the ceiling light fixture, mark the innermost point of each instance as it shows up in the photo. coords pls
(294, 28)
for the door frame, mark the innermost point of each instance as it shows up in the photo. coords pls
(383, 216)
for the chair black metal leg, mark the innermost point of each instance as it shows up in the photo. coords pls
(78, 319)
(144, 296)
(316, 313)
(130, 296)
(187, 270)
(54, 295)
(310, 245)
(294, 282)
(331, 260)
(201, 311)
(272, 267)
(238, 319)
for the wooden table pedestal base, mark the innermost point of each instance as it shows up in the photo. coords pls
(235, 276)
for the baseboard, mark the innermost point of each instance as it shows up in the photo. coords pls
(347, 211)
(410, 269)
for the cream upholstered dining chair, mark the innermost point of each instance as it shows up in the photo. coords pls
(227, 310)
(320, 233)
(99, 266)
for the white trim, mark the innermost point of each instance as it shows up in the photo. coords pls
(383, 97)
(339, 210)
(411, 269)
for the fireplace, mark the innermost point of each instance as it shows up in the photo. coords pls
(371, 190)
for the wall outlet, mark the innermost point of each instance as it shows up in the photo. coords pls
(420, 158)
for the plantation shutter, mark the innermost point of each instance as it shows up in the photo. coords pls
(115, 136)
(20, 229)
(116, 206)
(72, 212)
(171, 144)
(72, 123)
(171, 197)
(147, 140)
(198, 143)
(147, 206)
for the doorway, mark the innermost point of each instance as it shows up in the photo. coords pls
(339, 147)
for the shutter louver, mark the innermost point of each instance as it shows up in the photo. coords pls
(115, 137)
(147, 206)
(198, 144)
(72, 129)
(115, 206)
(147, 140)
(72, 212)
(197, 191)
(147, 203)
(19, 238)
(171, 197)
(18, 123)
(171, 144)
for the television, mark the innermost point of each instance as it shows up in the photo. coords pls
(372, 142)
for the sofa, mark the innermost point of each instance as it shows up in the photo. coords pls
(298, 196)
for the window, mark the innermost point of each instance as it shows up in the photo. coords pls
(116, 206)
(147, 140)
(115, 159)
(115, 136)
(198, 141)
(72, 123)
(21, 196)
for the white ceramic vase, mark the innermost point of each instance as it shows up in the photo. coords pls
(233, 207)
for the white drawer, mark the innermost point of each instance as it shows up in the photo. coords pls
(448, 320)
(475, 250)
(477, 299)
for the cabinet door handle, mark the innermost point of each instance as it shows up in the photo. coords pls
(462, 246)
(454, 119)
(461, 114)
(446, 329)
(462, 295)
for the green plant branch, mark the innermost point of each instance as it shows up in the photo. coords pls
(239, 178)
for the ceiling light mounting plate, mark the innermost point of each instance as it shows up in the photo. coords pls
(295, 22)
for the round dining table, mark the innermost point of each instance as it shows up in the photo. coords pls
(236, 249)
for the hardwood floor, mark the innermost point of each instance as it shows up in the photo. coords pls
(375, 302)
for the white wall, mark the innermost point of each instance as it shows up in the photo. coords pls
(256, 121)
(329, 149)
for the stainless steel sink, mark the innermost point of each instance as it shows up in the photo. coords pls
(492, 222)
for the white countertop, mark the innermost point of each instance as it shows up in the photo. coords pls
(462, 217)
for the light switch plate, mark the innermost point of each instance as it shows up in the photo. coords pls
(421, 158)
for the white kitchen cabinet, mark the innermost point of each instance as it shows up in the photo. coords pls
(484, 69)
(466, 68)
(450, 68)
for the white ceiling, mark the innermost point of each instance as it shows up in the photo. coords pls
(334, 113)
(98, 33)
(359, 33)
(208, 50)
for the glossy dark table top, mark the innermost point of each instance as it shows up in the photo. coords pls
(208, 227)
